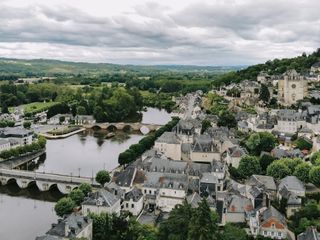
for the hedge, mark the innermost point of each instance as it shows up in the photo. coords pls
(144, 144)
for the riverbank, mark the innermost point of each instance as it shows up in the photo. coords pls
(16, 162)
(51, 136)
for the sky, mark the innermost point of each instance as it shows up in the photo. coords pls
(189, 32)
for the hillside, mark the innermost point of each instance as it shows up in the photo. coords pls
(43, 67)
(301, 64)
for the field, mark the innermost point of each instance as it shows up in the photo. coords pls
(35, 107)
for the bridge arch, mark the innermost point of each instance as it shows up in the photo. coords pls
(96, 127)
(24, 183)
(66, 188)
(44, 186)
(127, 128)
(112, 128)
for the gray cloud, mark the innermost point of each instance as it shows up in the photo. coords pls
(215, 33)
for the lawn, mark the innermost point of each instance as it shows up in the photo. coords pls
(35, 107)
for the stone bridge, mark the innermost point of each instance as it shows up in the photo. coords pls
(44, 181)
(125, 126)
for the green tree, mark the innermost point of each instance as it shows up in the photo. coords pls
(64, 206)
(203, 223)
(233, 232)
(303, 144)
(227, 119)
(177, 225)
(81, 110)
(265, 161)
(102, 177)
(86, 188)
(27, 124)
(205, 125)
(248, 166)
(278, 170)
(314, 175)
(262, 141)
(102, 226)
(314, 157)
(77, 196)
(302, 172)
(264, 93)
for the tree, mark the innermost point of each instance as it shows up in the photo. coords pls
(4, 108)
(302, 172)
(262, 141)
(205, 125)
(77, 196)
(86, 188)
(102, 177)
(227, 119)
(203, 223)
(64, 206)
(27, 124)
(81, 110)
(278, 170)
(248, 166)
(264, 93)
(177, 225)
(303, 144)
(314, 175)
(102, 226)
(232, 232)
(314, 157)
(265, 161)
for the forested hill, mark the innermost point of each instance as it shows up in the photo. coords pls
(43, 67)
(301, 64)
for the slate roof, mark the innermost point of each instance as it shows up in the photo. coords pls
(15, 132)
(74, 222)
(174, 181)
(237, 152)
(135, 194)
(101, 198)
(238, 204)
(166, 165)
(271, 212)
(169, 137)
(310, 234)
(263, 181)
(125, 177)
(209, 178)
(203, 143)
(194, 200)
(292, 183)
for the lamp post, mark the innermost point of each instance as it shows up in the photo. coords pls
(79, 169)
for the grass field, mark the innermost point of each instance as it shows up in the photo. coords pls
(35, 107)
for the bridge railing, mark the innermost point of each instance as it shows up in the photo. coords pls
(45, 176)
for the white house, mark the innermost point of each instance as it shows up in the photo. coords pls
(101, 201)
(204, 150)
(133, 202)
(233, 156)
(4, 144)
(169, 144)
(172, 191)
(289, 121)
(56, 119)
(84, 119)
(19, 136)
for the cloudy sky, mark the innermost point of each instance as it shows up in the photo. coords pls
(202, 32)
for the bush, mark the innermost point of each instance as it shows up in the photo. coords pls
(314, 176)
(77, 196)
(64, 206)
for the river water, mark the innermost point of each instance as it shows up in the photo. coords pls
(27, 213)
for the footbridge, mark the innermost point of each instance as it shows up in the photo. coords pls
(44, 181)
(125, 126)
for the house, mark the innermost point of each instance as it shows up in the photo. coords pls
(63, 119)
(18, 136)
(72, 227)
(315, 68)
(172, 191)
(209, 185)
(267, 183)
(269, 223)
(234, 208)
(293, 185)
(84, 120)
(169, 144)
(4, 144)
(289, 121)
(133, 202)
(292, 87)
(124, 179)
(310, 234)
(187, 128)
(204, 150)
(233, 156)
(101, 201)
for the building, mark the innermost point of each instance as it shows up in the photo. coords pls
(133, 202)
(4, 144)
(169, 145)
(289, 121)
(101, 201)
(310, 234)
(269, 223)
(64, 119)
(84, 120)
(233, 156)
(72, 227)
(18, 136)
(315, 68)
(204, 150)
(291, 88)
(293, 185)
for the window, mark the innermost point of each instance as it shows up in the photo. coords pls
(127, 205)
(273, 226)
(132, 205)
(279, 234)
(265, 233)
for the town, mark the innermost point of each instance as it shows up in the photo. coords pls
(248, 153)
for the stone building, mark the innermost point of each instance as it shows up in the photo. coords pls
(291, 88)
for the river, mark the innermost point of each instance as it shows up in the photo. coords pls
(27, 213)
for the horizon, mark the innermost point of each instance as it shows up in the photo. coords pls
(214, 33)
